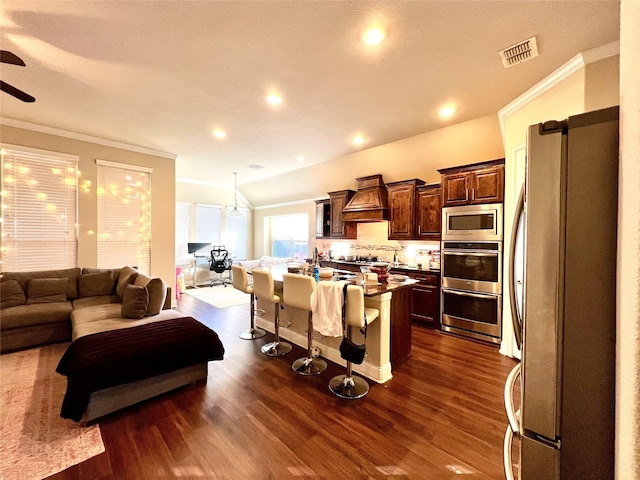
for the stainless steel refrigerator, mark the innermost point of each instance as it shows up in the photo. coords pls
(565, 321)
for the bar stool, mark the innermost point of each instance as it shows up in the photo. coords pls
(263, 288)
(296, 293)
(241, 282)
(350, 386)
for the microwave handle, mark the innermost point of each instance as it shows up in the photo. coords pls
(467, 252)
(515, 318)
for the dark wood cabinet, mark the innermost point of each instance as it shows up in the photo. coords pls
(425, 297)
(329, 222)
(400, 324)
(402, 197)
(323, 218)
(338, 227)
(473, 184)
(429, 212)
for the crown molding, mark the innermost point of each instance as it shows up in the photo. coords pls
(10, 122)
(572, 66)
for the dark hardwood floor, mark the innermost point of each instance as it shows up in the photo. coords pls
(440, 416)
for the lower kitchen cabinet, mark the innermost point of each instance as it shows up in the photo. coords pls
(425, 297)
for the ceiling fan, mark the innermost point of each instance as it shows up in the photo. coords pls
(13, 59)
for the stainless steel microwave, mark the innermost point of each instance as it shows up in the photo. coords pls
(472, 222)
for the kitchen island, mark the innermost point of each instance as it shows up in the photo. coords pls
(388, 336)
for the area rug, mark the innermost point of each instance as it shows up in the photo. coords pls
(220, 296)
(34, 441)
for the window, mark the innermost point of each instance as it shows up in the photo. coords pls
(290, 236)
(39, 209)
(183, 210)
(208, 220)
(124, 216)
(235, 239)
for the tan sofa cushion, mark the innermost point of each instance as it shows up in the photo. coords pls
(135, 302)
(98, 300)
(47, 290)
(35, 314)
(101, 318)
(71, 273)
(157, 292)
(94, 284)
(11, 294)
(126, 277)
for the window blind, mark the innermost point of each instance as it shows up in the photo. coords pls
(124, 216)
(208, 220)
(39, 210)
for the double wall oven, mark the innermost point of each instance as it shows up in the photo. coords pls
(471, 266)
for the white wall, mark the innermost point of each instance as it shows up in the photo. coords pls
(628, 284)
(88, 150)
(415, 157)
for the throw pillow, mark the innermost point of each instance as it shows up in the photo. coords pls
(11, 294)
(126, 277)
(157, 292)
(94, 284)
(134, 302)
(47, 290)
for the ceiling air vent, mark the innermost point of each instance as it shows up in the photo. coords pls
(518, 53)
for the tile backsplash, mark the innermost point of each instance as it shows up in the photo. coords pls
(372, 240)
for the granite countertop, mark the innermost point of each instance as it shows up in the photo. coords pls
(355, 278)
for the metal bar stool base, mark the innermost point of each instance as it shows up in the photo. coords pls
(252, 333)
(276, 349)
(309, 366)
(349, 387)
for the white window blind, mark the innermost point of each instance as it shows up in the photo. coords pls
(208, 222)
(124, 216)
(182, 231)
(39, 210)
(235, 239)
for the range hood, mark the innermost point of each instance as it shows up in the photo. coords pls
(369, 204)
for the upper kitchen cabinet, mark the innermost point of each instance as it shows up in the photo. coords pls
(338, 227)
(323, 218)
(473, 184)
(403, 209)
(429, 212)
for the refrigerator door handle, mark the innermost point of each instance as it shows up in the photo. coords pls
(515, 318)
(506, 458)
(512, 414)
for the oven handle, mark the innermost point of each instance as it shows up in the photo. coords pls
(468, 294)
(470, 252)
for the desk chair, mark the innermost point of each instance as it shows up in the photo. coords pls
(220, 263)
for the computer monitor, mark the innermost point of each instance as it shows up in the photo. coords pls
(196, 247)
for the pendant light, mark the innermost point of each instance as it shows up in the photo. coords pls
(235, 212)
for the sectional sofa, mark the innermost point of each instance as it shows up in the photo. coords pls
(128, 345)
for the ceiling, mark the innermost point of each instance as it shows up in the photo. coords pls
(164, 74)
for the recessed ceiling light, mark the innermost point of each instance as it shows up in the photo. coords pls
(300, 158)
(274, 99)
(373, 36)
(358, 140)
(220, 134)
(446, 112)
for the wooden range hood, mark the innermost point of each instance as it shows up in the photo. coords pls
(369, 204)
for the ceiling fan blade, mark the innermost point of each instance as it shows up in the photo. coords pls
(19, 94)
(8, 57)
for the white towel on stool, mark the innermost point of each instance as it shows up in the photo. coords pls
(326, 308)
